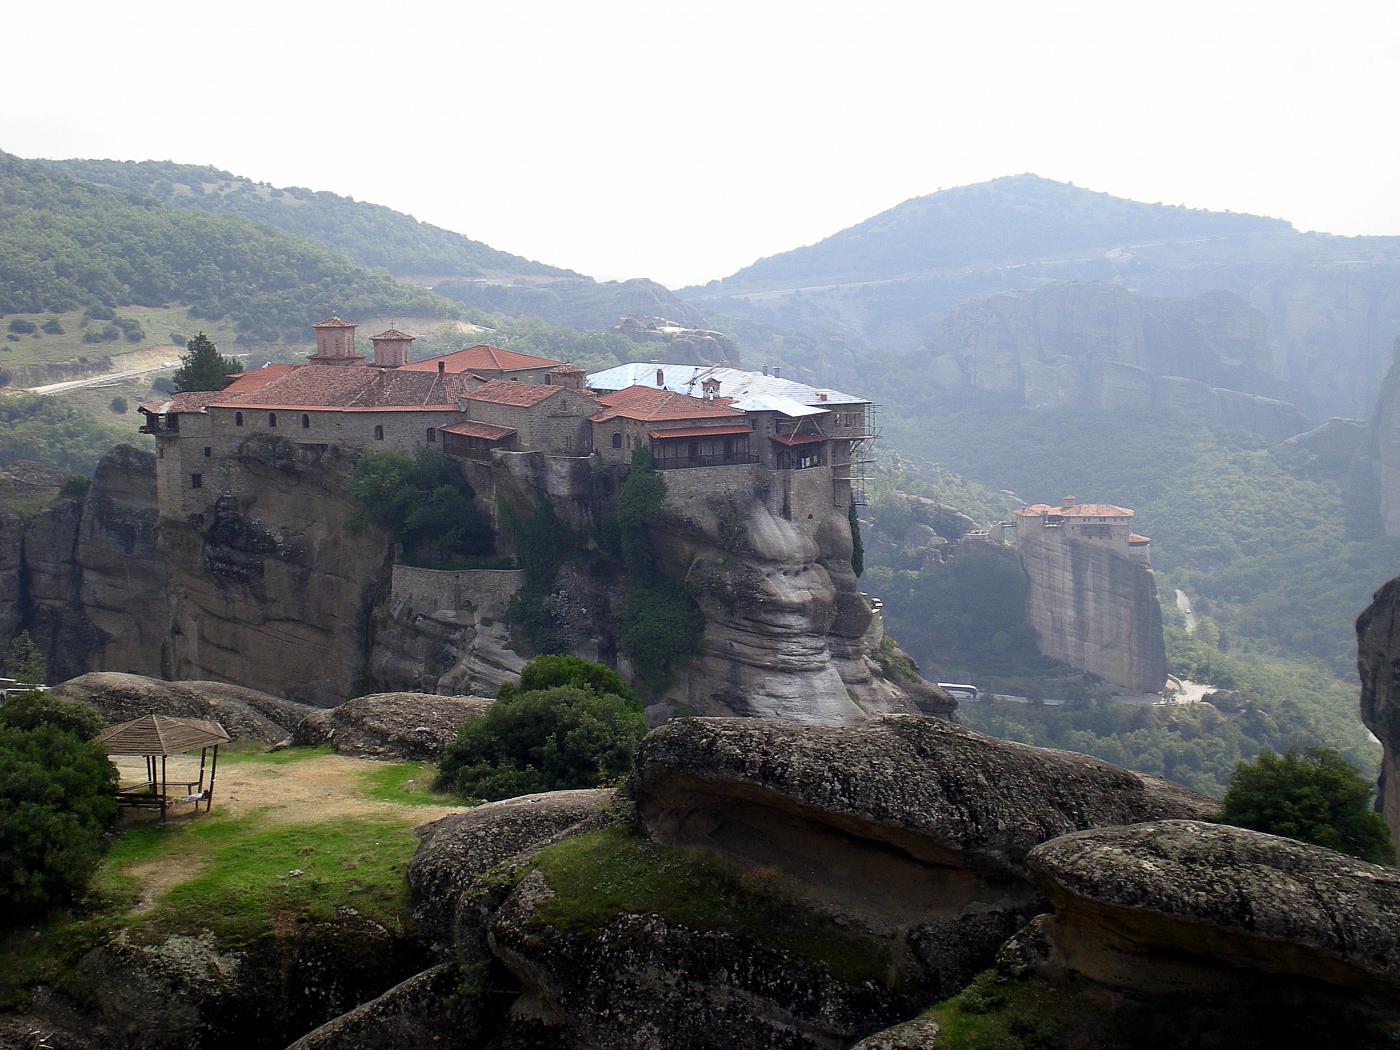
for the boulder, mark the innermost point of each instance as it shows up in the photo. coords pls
(412, 727)
(918, 1034)
(1182, 905)
(427, 1010)
(245, 713)
(1378, 661)
(456, 851)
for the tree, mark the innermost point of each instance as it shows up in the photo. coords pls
(423, 502)
(857, 544)
(543, 740)
(57, 796)
(202, 367)
(549, 671)
(24, 662)
(1316, 796)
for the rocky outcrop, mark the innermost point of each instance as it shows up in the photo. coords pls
(455, 852)
(430, 1009)
(1181, 905)
(406, 727)
(1326, 451)
(1100, 346)
(245, 713)
(682, 344)
(1373, 488)
(267, 586)
(82, 573)
(1378, 662)
(1094, 607)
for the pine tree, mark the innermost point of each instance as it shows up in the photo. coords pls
(24, 662)
(202, 367)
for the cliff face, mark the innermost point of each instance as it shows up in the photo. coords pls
(1100, 346)
(267, 587)
(1378, 662)
(1094, 608)
(84, 576)
(1374, 482)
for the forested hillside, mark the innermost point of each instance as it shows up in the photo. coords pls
(370, 234)
(66, 244)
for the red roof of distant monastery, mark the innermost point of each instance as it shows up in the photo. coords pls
(650, 405)
(1077, 510)
(485, 358)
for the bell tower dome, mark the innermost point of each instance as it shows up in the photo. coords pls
(335, 343)
(391, 348)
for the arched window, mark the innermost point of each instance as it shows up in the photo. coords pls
(305, 421)
(238, 419)
(432, 435)
(272, 419)
(378, 433)
(617, 439)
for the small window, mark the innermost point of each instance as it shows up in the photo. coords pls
(196, 481)
(238, 419)
(432, 435)
(378, 433)
(272, 419)
(160, 452)
(305, 421)
(208, 451)
(617, 439)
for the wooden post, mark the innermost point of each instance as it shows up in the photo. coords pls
(202, 752)
(213, 770)
(162, 789)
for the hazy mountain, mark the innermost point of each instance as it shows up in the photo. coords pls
(1331, 304)
(370, 234)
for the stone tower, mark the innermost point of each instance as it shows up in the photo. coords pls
(569, 375)
(335, 343)
(391, 348)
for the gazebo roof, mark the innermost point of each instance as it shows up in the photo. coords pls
(161, 735)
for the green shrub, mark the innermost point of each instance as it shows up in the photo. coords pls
(423, 502)
(119, 405)
(543, 544)
(548, 672)
(545, 740)
(1315, 796)
(53, 326)
(56, 799)
(857, 544)
(22, 327)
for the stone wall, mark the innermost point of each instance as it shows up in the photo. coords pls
(430, 589)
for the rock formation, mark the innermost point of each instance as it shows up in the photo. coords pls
(1092, 603)
(406, 727)
(683, 345)
(1374, 483)
(245, 713)
(1100, 346)
(906, 838)
(1180, 905)
(1378, 662)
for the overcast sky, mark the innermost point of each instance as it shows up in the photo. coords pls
(683, 141)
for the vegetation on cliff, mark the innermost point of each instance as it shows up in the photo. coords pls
(65, 243)
(424, 503)
(568, 724)
(56, 800)
(1315, 796)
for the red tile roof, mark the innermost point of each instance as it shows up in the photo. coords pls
(1138, 540)
(1078, 510)
(480, 358)
(471, 428)
(256, 379)
(504, 392)
(391, 334)
(334, 322)
(568, 368)
(650, 405)
(349, 388)
(695, 432)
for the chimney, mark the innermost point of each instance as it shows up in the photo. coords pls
(1067, 502)
(660, 378)
(442, 367)
(765, 367)
(777, 372)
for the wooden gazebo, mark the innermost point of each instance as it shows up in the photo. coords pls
(158, 737)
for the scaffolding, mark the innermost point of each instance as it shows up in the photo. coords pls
(861, 455)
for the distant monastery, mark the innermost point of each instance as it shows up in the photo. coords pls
(723, 426)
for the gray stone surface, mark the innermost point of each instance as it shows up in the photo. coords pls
(1378, 662)
(400, 726)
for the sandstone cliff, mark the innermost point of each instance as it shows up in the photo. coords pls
(1095, 608)
(1378, 661)
(1100, 346)
(1374, 481)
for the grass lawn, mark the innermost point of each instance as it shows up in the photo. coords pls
(158, 324)
(604, 874)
